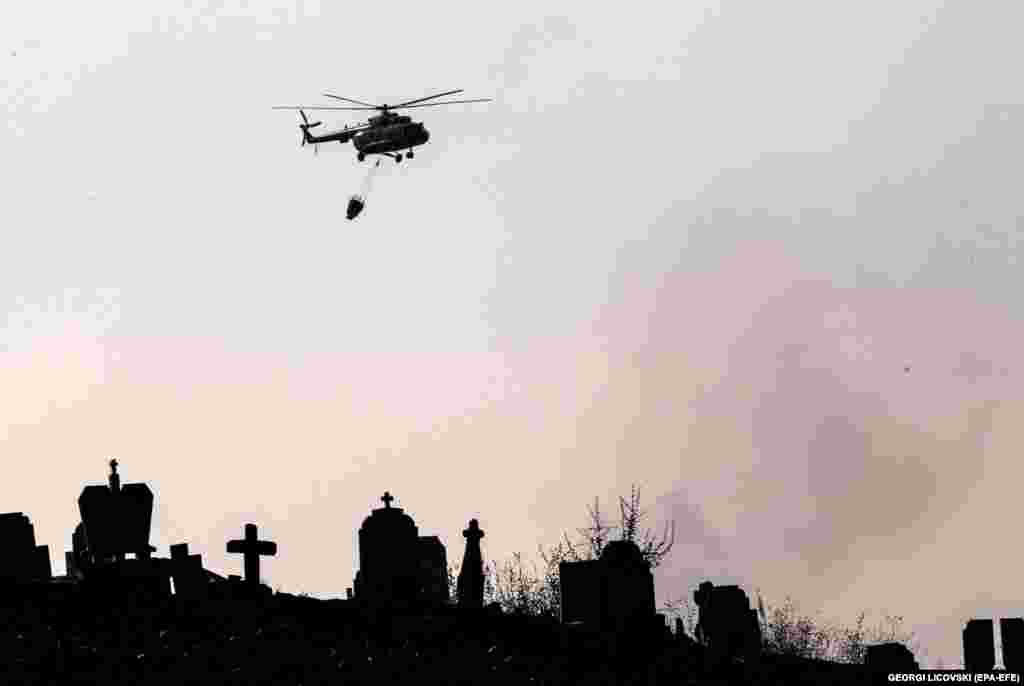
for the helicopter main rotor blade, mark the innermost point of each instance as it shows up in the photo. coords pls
(319, 107)
(434, 104)
(429, 97)
(357, 102)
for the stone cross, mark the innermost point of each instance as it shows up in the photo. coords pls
(387, 498)
(252, 548)
(473, 533)
(470, 584)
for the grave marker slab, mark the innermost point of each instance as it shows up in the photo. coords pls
(21, 559)
(611, 593)
(433, 571)
(1012, 633)
(187, 571)
(581, 592)
(979, 646)
(726, 623)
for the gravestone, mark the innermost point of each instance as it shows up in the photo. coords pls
(727, 625)
(21, 559)
(979, 646)
(433, 582)
(1012, 632)
(80, 547)
(251, 548)
(115, 521)
(581, 587)
(612, 593)
(398, 569)
(890, 657)
(470, 584)
(628, 585)
(187, 572)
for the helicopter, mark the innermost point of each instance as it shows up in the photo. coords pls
(385, 134)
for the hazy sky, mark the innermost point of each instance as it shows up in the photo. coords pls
(692, 247)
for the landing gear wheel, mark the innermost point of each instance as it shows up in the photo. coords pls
(398, 157)
(361, 156)
(410, 155)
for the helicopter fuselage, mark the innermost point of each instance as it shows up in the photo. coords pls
(394, 134)
(392, 137)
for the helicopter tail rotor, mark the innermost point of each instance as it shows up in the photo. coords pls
(305, 126)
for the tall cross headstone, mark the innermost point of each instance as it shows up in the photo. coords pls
(114, 483)
(252, 548)
(115, 478)
(470, 585)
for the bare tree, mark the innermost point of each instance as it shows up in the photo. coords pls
(520, 590)
(594, 538)
(654, 549)
(790, 632)
(596, 535)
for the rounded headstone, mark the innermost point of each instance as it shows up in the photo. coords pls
(388, 555)
(623, 554)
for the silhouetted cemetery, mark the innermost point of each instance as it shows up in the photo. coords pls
(124, 614)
